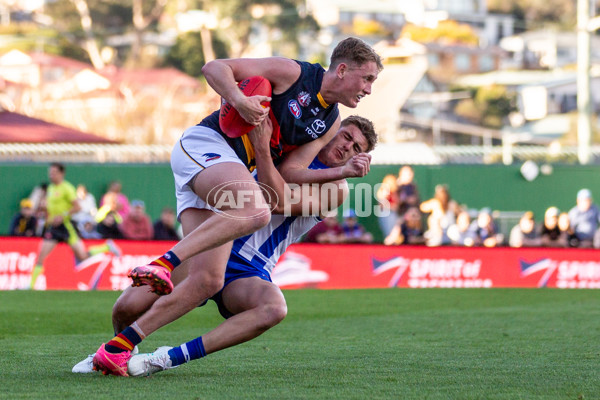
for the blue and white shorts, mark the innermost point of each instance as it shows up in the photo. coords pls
(199, 148)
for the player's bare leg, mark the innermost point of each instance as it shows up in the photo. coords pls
(133, 303)
(244, 211)
(258, 305)
(45, 249)
(79, 250)
(204, 279)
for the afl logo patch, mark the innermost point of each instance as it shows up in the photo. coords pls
(304, 98)
(295, 108)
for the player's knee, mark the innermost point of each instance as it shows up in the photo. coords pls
(260, 221)
(206, 286)
(122, 313)
(252, 222)
(212, 286)
(274, 313)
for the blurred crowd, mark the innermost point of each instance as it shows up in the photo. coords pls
(404, 219)
(114, 217)
(441, 220)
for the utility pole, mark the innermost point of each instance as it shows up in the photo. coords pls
(584, 106)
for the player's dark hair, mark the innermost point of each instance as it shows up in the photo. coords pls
(59, 166)
(354, 51)
(366, 127)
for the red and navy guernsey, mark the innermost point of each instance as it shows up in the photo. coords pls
(299, 116)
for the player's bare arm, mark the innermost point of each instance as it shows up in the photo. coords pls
(223, 74)
(298, 200)
(294, 168)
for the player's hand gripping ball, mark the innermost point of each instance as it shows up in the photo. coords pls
(230, 121)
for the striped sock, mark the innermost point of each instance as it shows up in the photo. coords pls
(191, 350)
(124, 341)
(169, 261)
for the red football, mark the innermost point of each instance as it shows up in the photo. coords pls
(230, 121)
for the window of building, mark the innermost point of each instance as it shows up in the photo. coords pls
(462, 62)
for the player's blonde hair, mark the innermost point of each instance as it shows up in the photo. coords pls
(354, 50)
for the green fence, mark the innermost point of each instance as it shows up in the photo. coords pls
(152, 183)
(499, 187)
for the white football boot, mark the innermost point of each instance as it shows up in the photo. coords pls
(146, 364)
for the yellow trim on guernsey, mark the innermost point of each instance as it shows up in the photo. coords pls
(322, 101)
(249, 150)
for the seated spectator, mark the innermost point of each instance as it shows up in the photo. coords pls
(40, 215)
(119, 201)
(459, 233)
(352, 231)
(87, 204)
(442, 212)
(550, 233)
(567, 234)
(525, 234)
(24, 222)
(137, 224)
(108, 227)
(87, 228)
(387, 196)
(408, 193)
(584, 218)
(326, 231)
(484, 230)
(408, 230)
(164, 227)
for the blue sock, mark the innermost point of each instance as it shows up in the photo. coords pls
(191, 350)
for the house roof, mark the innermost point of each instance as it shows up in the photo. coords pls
(18, 128)
(58, 61)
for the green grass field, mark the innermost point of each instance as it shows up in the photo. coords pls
(346, 344)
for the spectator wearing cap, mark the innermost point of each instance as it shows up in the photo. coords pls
(584, 218)
(525, 234)
(137, 225)
(550, 234)
(352, 231)
(24, 222)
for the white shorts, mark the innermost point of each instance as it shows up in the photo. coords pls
(199, 148)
